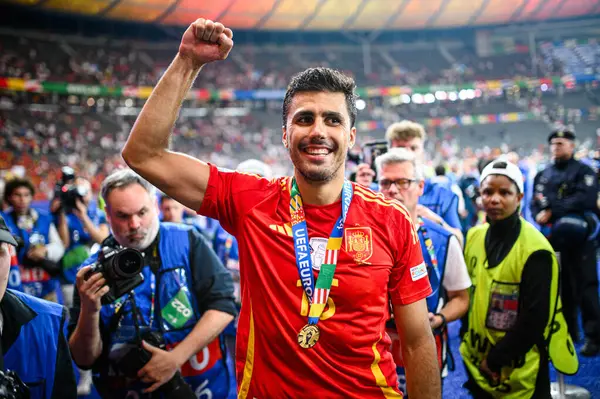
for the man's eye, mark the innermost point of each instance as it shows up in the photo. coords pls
(305, 119)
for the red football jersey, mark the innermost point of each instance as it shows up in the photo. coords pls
(379, 249)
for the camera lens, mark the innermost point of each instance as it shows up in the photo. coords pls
(128, 263)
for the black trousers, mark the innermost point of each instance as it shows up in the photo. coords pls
(542, 382)
(579, 289)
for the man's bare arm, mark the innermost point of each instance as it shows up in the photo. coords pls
(418, 351)
(182, 177)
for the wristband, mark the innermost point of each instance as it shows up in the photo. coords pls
(444, 321)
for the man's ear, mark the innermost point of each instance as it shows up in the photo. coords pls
(284, 137)
(352, 137)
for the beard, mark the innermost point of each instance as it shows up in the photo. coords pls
(318, 173)
(149, 234)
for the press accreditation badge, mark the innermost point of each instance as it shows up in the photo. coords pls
(503, 308)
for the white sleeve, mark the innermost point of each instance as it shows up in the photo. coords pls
(55, 247)
(456, 276)
(461, 199)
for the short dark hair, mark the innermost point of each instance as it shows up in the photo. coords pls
(440, 170)
(13, 184)
(322, 80)
(163, 197)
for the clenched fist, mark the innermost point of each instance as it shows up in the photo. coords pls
(206, 41)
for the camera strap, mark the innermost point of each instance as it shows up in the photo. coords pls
(137, 317)
(1, 352)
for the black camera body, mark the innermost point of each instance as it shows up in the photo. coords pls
(121, 267)
(138, 357)
(70, 194)
(67, 191)
(11, 386)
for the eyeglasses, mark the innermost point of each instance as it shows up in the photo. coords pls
(401, 184)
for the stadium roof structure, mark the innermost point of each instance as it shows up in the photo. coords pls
(328, 15)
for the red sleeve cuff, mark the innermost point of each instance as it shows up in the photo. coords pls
(401, 300)
(209, 194)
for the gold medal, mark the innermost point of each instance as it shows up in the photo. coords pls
(308, 336)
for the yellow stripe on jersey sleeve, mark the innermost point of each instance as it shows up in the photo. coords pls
(388, 392)
(249, 365)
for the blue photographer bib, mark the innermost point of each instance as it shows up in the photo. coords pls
(33, 231)
(166, 303)
(32, 356)
(80, 243)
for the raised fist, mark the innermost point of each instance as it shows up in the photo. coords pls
(206, 41)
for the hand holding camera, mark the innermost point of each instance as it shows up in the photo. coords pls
(80, 209)
(91, 289)
(161, 368)
(118, 268)
(152, 364)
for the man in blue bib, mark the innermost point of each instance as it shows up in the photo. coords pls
(437, 202)
(165, 325)
(401, 178)
(40, 247)
(34, 353)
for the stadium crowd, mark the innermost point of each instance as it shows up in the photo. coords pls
(71, 206)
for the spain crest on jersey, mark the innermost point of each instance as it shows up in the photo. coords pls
(359, 243)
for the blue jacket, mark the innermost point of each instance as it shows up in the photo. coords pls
(80, 242)
(440, 238)
(34, 280)
(441, 201)
(176, 313)
(565, 188)
(35, 345)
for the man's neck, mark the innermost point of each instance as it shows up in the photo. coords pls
(320, 193)
(414, 216)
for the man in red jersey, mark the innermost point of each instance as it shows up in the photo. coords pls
(320, 257)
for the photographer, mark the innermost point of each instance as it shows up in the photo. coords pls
(80, 225)
(181, 296)
(34, 354)
(40, 247)
(86, 226)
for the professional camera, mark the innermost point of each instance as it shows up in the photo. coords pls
(70, 195)
(67, 191)
(67, 177)
(11, 386)
(121, 268)
(137, 358)
(372, 150)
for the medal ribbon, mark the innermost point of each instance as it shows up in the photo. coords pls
(317, 294)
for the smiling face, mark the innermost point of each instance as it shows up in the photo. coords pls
(318, 134)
